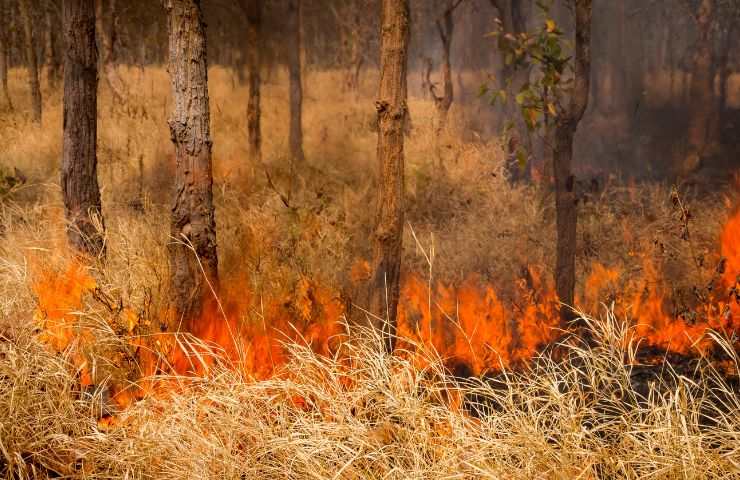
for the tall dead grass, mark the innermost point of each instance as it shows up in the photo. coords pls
(585, 416)
(588, 417)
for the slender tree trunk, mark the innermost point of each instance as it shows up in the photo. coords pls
(295, 138)
(724, 68)
(50, 50)
(513, 18)
(445, 28)
(426, 72)
(253, 12)
(192, 252)
(107, 42)
(79, 179)
(701, 91)
(31, 60)
(565, 195)
(392, 112)
(5, 101)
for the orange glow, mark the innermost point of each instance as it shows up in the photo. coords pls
(471, 326)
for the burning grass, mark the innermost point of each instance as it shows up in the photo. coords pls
(368, 415)
(262, 387)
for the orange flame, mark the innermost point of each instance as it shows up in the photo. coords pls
(469, 325)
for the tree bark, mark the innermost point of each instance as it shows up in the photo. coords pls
(50, 49)
(565, 195)
(253, 12)
(31, 60)
(107, 41)
(79, 178)
(392, 112)
(192, 252)
(295, 138)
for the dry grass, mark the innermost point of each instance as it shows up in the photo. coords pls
(381, 418)
(384, 417)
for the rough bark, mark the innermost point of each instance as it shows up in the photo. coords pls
(253, 12)
(51, 60)
(31, 60)
(107, 41)
(79, 179)
(565, 195)
(701, 90)
(295, 138)
(192, 251)
(392, 111)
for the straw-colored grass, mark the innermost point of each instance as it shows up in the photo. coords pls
(579, 416)
(582, 417)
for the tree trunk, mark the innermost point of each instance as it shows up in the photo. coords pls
(192, 251)
(50, 50)
(701, 90)
(565, 195)
(253, 12)
(445, 28)
(392, 112)
(295, 138)
(31, 60)
(79, 178)
(5, 101)
(107, 42)
(426, 72)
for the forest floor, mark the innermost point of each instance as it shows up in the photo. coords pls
(91, 388)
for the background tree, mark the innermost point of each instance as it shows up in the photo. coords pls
(560, 92)
(701, 90)
(566, 122)
(252, 10)
(106, 23)
(392, 111)
(79, 179)
(31, 59)
(445, 28)
(192, 252)
(356, 32)
(296, 88)
(5, 36)
(51, 59)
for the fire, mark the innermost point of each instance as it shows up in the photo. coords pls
(472, 327)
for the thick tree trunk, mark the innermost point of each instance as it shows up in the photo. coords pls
(701, 91)
(31, 60)
(392, 112)
(50, 50)
(5, 101)
(192, 252)
(295, 138)
(565, 195)
(79, 179)
(253, 12)
(107, 42)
